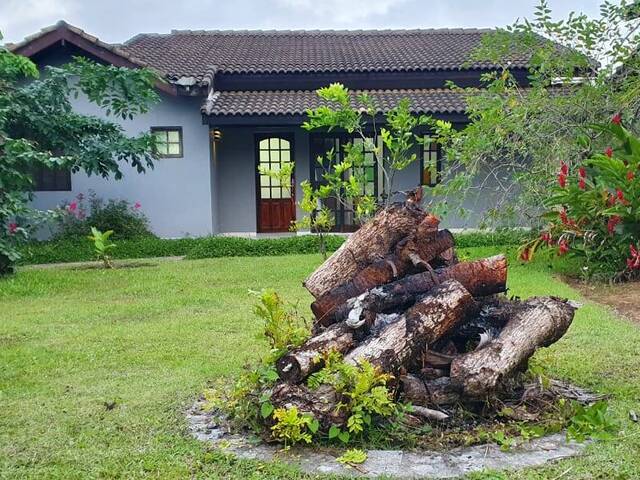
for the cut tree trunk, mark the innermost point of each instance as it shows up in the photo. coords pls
(398, 342)
(415, 253)
(321, 403)
(373, 241)
(481, 278)
(296, 365)
(428, 392)
(538, 322)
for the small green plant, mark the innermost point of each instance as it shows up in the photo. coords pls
(292, 428)
(364, 394)
(102, 246)
(353, 456)
(593, 421)
(283, 326)
(503, 440)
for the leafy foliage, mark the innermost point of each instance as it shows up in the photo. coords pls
(284, 328)
(291, 427)
(38, 128)
(74, 219)
(353, 456)
(102, 246)
(581, 71)
(364, 392)
(594, 421)
(594, 211)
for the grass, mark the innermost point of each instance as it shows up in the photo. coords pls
(150, 338)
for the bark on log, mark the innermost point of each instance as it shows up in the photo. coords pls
(373, 241)
(481, 278)
(432, 392)
(400, 341)
(296, 365)
(321, 403)
(414, 253)
(538, 322)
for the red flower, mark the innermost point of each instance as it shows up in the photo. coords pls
(630, 175)
(582, 184)
(608, 152)
(620, 195)
(582, 172)
(546, 238)
(562, 180)
(616, 119)
(612, 223)
(611, 201)
(564, 169)
(563, 216)
(563, 247)
(73, 206)
(137, 205)
(525, 255)
(13, 228)
(633, 262)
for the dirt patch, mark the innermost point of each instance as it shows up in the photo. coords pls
(624, 298)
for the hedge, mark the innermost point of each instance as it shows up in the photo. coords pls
(62, 251)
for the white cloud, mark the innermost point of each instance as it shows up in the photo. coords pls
(19, 18)
(342, 11)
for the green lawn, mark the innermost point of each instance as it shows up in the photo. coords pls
(150, 338)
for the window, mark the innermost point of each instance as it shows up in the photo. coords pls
(274, 154)
(430, 162)
(344, 213)
(52, 179)
(168, 141)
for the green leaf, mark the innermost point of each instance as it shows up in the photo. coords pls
(344, 436)
(266, 409)
(334, 431)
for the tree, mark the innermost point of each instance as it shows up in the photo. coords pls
(38, 128)
(343, 174)
(582, 71)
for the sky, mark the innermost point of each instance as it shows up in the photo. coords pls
(115, 21)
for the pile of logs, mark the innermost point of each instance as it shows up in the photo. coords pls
(396, 296)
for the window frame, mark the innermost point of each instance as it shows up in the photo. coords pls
(59, 185)
(424, 149)
(167, 129)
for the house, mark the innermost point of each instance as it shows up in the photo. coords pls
(234, 100)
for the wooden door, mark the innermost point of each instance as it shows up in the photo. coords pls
(276, 207)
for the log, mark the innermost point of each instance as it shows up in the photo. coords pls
(298, 364)
(538, 322)
(416, 252)
(481, 278)
(428, 392)
(429, 413)
(373, 241)
(402, 340)
(321, 403)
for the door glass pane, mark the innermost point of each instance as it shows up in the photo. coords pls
(274, 143)
(264, 144)
(285, 155)
(284, 144)
(264, 156)
(265, 193)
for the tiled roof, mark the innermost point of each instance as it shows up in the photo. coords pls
(199, 53)
(297, 102)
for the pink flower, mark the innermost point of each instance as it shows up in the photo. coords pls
(620, 195)
(608, 152)
(13, 228)
(546, 238)
(137, 205)
(73, 206)
(616, 119)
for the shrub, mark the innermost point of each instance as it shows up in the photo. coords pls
(126, 220)
(594, 211)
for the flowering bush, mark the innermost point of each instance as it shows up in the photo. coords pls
(76, 218)
(594, 211)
